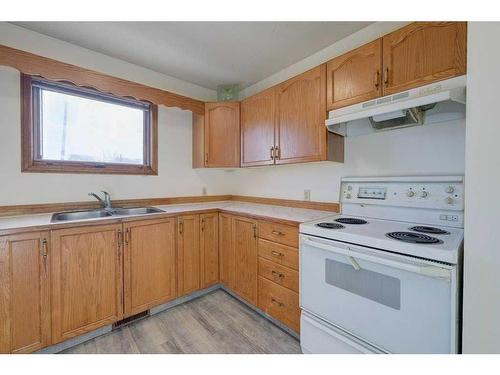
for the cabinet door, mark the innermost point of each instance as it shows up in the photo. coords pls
(258, 114)
(149, 264)
(245, 254)
(301, 118)
(423, 52)
(188, 254)
(354, 77)
(222, 134)
(87, 279)
(209, 249)
(24, 293)
(226, 250)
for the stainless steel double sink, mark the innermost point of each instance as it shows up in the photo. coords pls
(95, 214)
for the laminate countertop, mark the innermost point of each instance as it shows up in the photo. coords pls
(265, 211)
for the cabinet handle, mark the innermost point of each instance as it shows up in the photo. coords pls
(272, 153)
(386, 78)
(120, 238)
(254, 231)
(277, 274)
(277, 153)
(202, 225)
(278, 303)
(127, 236)
(276, 254)
(206, 158)
(377, 79)
(277, 233)
(44, 255)
(181, 227)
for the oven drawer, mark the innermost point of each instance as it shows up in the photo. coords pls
(281, 233)
(397, 303)
(280, 303)
(281, 275)
(281, 254)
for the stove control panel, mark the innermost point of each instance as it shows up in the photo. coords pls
(446, 195)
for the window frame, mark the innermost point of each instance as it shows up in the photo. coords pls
(31, 138)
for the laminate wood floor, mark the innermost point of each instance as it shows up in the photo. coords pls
(214, 323)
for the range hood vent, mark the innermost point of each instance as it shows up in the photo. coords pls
(435, 103)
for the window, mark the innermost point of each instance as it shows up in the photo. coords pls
(71, 129)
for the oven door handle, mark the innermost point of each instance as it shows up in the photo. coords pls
(426, 270)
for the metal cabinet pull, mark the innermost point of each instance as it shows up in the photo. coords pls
(44, 255)
(386, 78)
(127, 236)
(377, 79)
(202, 225)
(277, 274)
(181, 227)
(120, 238)
(277, 233)
(206, 158)
(276, 254)
(278, 303)
(254, 226)
(277, 153)
(272, 153)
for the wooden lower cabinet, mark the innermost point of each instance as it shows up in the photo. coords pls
(226, 250)
(188, 254)
(209, 249)
(149, 264)
(245, 258)
(279, 302)
(24, 292)
(87, 280)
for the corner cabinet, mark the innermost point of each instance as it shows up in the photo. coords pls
(422, 53)
(216, 136)
(149, 264)
(87, 279)
(24, 292)
(355, 76)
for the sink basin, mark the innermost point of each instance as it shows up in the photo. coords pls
(80, 215)
(136, 211)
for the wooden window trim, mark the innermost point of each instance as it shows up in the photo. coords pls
(29, 137)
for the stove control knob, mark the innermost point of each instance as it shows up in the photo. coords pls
(424, 194)
(410, 193)
(349, 187)
(348, 195)
(449, 200)
(450, 189)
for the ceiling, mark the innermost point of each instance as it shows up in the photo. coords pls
(204, 53)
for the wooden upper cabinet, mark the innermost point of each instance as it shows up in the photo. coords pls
(355, 76)
(423, 52)
(209, 249)
(149, 264)
(188, 254)
(222, 134)
(226, 250)
(24, 293)
(245, 258)
(87, 280)
(301, 131)
(258, 115)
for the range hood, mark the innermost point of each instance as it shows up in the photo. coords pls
(438, 102)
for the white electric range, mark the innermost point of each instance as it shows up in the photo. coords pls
(385, 275)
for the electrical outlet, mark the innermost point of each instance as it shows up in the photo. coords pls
(204, 190)
(307, 195)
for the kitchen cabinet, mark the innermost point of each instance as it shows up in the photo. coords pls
(149, 264)
(216, 136)
(258, 118)
(188, 254)
(24, 292)
(245, 258)
(209, 249)
(422, 53)
(87, 280)
(355, 76)
(226, 250)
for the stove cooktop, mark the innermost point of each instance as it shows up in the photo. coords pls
(429, 242)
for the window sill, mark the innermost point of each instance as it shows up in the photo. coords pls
(88, 168)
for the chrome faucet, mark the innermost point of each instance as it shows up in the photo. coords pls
(106, 202)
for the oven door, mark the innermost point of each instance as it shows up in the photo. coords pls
(397, 303)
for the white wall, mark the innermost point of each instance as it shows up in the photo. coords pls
(175, 178)
(482, 219)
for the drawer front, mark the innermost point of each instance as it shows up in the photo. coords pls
(280, 303)
(281, 233)
(281, 275)
(284, 255)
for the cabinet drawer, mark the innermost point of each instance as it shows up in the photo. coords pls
(280, 303)
(281, 233)
(281, 254)
(281, 275)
